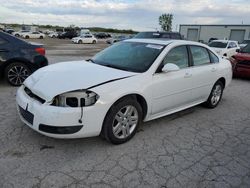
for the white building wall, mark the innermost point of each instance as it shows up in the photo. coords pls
(205, 32)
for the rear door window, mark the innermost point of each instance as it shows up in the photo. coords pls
(200, 55)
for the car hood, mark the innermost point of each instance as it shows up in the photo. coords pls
(59, 78)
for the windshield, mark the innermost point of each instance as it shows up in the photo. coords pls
(246, 42)
(246, 49)
(217, 44)
(146, 35)
(129, 56)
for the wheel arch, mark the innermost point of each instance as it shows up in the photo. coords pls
(223, 81)
(139, 98)
(14, 60)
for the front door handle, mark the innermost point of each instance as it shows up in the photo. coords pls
(187, 75)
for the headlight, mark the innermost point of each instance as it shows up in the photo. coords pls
(76, 99)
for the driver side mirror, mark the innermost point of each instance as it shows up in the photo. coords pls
(170, 67)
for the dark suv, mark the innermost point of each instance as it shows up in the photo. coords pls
(158, 35)
(68, 34)
(18, 58)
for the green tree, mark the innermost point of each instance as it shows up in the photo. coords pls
(165, 21)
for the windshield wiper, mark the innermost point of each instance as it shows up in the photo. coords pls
(91, 60)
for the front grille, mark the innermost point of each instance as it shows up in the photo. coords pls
(34, 96)
(29, 117)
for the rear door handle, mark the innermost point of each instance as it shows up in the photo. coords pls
(213, 69)
(187, 75)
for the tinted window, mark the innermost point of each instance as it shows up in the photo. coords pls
(213, 57)
(246, 49)
(178, 56)
(232, 45)
(200, 55)
(216, 44)
(130, 56)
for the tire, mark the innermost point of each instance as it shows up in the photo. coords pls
(41, 37)
(94, 42)
(80, 42)
(53, 36)
(119, 118)
(17, 35)
(215, 95)
(27, 37)
(16, 73)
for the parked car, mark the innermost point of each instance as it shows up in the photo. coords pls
(102, 35)
(212, 39)
(67, 35)
(226, 48)
(241, 63)
(117, 39)
(18, 58)
(19, 33)
(244, 43)
(53, 34)
(157, 34)
(149, 79)
(10, 31)
(33, 35)
(85, 39)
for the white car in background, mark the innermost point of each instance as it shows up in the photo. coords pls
(19, 33)
(226, 48)
(53, 35)
(33, 35)
(85, 39)
(131, 81)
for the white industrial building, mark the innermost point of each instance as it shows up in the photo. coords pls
(203, 33)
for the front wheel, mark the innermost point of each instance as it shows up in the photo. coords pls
(215, 95)
(27, 37)
(122, 121)
(94, 42)
(16, 73)
(80, 42)
(41, 37)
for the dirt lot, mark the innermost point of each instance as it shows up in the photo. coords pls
(194, 148)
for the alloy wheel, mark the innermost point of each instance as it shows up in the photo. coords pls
(125, 122)
(17, 74)
(216, 94)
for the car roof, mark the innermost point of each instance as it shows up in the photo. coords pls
(165, 42)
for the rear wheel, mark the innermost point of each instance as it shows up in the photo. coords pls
(41, 37)
(27, 37)
(16, 73)
(122, 121)
(215, 95)
(94, 42)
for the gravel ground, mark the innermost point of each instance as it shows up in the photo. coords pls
(197, 147)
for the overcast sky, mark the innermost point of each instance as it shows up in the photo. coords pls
(124, 14)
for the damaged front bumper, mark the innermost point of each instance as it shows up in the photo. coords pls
(60, 122)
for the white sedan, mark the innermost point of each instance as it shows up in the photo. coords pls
(85, 39)
(111, 94)
(33, 35)
(226, 48)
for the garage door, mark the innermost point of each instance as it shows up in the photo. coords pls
(192, 34)
(237, 35)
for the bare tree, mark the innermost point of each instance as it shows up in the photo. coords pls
(165, 21)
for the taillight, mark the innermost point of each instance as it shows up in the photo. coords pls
(41, 51)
